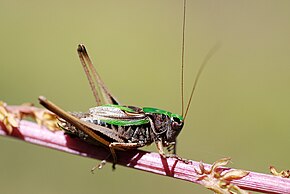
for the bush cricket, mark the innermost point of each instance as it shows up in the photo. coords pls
(119, 127)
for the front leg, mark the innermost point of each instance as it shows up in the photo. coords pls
(171, 147)
(160, 147)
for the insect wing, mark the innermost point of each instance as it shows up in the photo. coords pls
(117, 115)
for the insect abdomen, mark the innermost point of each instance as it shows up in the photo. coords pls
(140, 134)
(129, 133)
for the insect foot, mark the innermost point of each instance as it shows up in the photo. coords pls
(186, 161)
(104, 162)
(99, 166)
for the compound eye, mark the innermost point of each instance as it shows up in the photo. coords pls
(175, 119)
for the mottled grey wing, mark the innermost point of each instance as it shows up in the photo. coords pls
(109, 112)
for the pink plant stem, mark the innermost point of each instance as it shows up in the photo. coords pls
(137, 159)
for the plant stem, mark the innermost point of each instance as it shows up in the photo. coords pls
(137, 159)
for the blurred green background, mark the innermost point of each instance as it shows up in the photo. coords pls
(240, 109)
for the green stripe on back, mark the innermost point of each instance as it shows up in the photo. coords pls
(156, 110)
(160, 111)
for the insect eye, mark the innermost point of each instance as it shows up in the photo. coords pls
(175, 119)
(176, 123)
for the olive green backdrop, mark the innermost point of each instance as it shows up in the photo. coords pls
(241, 107)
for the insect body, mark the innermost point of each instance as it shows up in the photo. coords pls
(115, 126)
(137, 125)
(129, 125)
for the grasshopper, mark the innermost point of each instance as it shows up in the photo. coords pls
(120, 127)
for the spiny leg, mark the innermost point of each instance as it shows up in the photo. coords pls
(112, 147)
(124, 146)
(114, 155)
(171, 147)
(95, 88)
(96, 83)
(121, 146)
(86, 127)
(101, 164)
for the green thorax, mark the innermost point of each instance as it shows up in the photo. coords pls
(160, 111)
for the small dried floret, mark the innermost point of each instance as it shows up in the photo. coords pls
(10, 116)
(219, 180)
(283, 173)
(46, 118)
(8, 119)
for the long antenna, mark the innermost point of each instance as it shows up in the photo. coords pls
(206, 59)
(182, 57)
